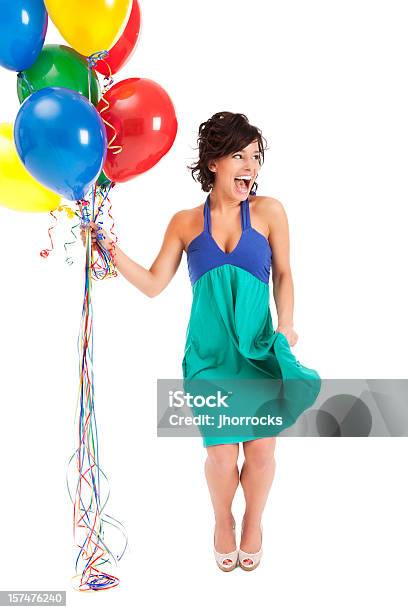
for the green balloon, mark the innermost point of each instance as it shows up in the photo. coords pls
(103, 180)
(58, 66)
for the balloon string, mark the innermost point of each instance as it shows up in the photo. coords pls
(89, 82)
(113, 222)
(70, 214)
(107, 84)
(112, 250)
(92, 61)
(108, 267)
(22, 75)
(104, 265)
(88, 515)
(106, 198)
(69, 259)
(45, 252)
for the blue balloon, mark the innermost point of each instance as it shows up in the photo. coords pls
(23, 25)
(61, 140)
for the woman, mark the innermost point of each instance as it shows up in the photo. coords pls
(231, 241)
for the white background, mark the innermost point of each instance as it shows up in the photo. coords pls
(326, 83)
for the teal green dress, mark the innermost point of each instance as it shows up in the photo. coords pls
(230, 336)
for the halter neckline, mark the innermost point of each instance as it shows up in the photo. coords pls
(252, 252)
(244, 215)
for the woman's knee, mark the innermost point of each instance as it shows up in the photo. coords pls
(223, 456)
(260, 453)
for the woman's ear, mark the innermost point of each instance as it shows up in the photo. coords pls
(212, 166)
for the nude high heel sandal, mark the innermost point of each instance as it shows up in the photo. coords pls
(249, 561)
(226, 561)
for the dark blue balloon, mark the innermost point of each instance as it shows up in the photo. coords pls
(61, 140)
(23, 25)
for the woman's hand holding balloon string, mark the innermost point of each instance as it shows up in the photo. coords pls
(98, 234)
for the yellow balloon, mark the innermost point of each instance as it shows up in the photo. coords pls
(90, 25)
(18, 189)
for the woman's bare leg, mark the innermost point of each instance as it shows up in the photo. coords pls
(221, 471)
(256, 477)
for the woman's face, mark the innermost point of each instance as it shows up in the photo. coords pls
(245, 163)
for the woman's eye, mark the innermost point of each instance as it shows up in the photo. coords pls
(258, 157)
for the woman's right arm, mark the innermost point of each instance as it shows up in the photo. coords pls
(150, 281)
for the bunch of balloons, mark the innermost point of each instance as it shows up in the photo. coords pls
(72, 137)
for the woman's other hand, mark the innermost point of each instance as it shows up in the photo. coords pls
(289, 333)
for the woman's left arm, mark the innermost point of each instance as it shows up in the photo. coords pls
(283, 289)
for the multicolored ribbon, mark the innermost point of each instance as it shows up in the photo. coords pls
(87, 495)
(89, 518)
(108, 81)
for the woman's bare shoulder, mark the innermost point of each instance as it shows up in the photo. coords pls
(188, 216)
(267, 213)
(189, 212)
(267, 205)
(188, 222)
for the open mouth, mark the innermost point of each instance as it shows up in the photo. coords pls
(242, 184)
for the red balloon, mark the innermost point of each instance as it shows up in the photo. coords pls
(142, 121)
(123, 50)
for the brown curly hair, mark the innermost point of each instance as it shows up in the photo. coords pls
(222, 134)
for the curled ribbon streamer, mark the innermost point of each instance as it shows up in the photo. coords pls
(111, 231)
(109, 267)
(104, 192)
(89, 518)
(45, 252)
(70, 214)
(92, 59)
(113, 224)
(69, 259)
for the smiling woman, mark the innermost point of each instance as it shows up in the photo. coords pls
(230, 339)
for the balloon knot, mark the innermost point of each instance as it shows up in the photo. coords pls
(95, 57)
